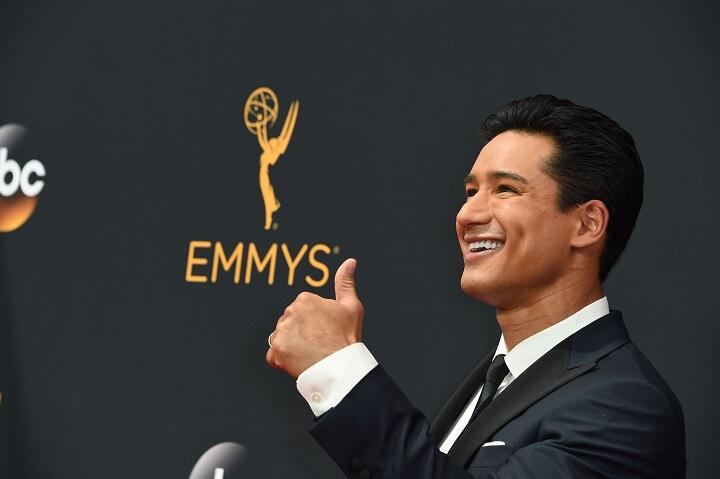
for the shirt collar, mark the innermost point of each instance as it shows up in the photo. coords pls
(526, 352)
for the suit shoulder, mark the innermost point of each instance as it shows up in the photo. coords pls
(628, 371)
(621, 409)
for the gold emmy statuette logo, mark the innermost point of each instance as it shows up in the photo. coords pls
(261, 110)
(246, 262)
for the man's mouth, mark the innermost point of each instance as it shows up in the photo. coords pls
(485, 245)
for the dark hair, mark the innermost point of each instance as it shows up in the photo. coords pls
(595, 158)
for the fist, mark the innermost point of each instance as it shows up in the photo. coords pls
(312, 327)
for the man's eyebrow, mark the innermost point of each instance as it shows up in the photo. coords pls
(498, 174)
(505, 174)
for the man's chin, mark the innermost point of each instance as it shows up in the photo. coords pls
(478, 288)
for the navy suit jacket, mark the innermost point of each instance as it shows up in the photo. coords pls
(592, 407)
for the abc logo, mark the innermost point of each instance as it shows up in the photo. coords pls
(20, 185)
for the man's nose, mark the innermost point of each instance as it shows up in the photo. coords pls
(475, 210)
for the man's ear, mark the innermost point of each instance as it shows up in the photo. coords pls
(593, 217)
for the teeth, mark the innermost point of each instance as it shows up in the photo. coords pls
(484, 244)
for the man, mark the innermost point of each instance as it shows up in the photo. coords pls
(551, 202)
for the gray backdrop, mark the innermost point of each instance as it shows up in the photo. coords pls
(115, 366)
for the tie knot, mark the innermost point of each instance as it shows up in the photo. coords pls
(497, 370)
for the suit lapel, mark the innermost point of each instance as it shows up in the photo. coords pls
(571, 358)
(547, 374)
(450, 412)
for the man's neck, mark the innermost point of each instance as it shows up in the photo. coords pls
(521, 322)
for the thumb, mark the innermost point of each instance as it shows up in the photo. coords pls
(345, 281)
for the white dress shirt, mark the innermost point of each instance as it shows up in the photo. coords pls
(327, 382)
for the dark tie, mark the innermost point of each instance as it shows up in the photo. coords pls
(494, 376)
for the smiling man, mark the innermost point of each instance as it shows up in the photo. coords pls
(552, 200)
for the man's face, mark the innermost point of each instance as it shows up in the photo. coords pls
(514, 240)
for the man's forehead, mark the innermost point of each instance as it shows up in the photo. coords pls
(513, 155)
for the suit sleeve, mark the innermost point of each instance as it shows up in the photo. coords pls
(627, 429)
(375, 432)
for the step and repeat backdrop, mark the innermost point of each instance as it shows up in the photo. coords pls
(173, 174)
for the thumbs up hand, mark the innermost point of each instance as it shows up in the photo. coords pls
(312, 327)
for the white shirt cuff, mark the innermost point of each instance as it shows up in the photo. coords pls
(327, 382)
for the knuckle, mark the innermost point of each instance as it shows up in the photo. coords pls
(306, 296)
(273, 358)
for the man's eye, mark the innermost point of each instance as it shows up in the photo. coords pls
(470, 192)
(506, 189)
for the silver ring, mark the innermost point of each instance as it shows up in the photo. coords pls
(270, 339)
